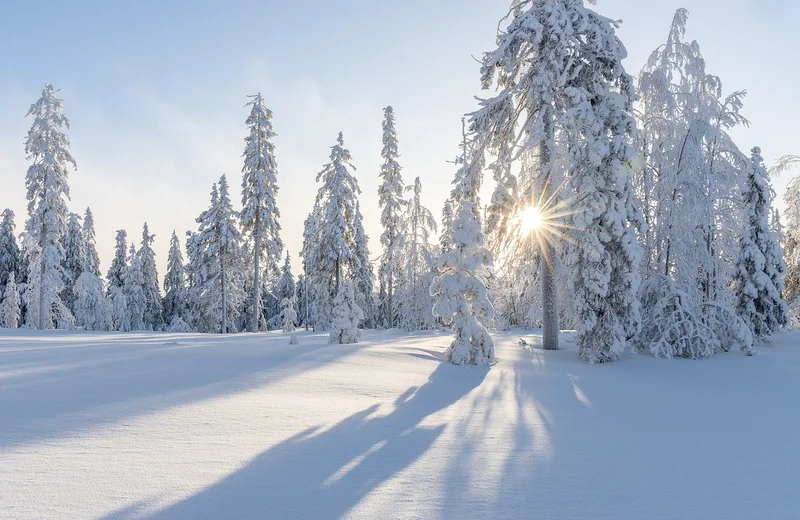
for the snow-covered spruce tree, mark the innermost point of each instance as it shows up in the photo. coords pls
(120, 260)
(362, 276)
(175, 298)
(346, 316)
(288, 315)
(10, 312)
(329, 246)
(460, 296)
(153, 311)
(558, 66)
(92, 308)
(119, 313)
(303, 299)
(760, 267)
(390, 200)
(221, 259)
(74, 259)
(285, 287)
(260, 214)
(133, 288)
(419, 260)
(90, 244)
(47, 147)
(9, 249)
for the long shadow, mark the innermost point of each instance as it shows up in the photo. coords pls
(88, 383)
(322, 475)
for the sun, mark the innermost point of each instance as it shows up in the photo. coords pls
(531, 219)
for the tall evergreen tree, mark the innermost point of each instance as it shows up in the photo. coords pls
(460, 295)
(330, 249)
(90, 244)
(260, 214)
(9, 249)
(133, 289)
(175, 298)
(363, 276)
(47, 147)
(285, 286)
(74, 258)
(120, 260)
(558, 66)
(153, 313)
(390, 199)
(760, 268)
(221, 259)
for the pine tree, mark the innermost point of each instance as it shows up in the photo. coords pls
(92, 308)
(47, 192)
(74, 258)
(303, 300)
(559, 70)
(153, 312)
(460, 296)
(260, 214)
(220, 262)
(10, 310)
(390, 199)
(419, 259)
(114, 276)
(346, 316)
(330, 249)
(133, 289)
(363, 277)
(175, 296)
(285, 286)
(9, 249)
(90, 244)
(760, 268)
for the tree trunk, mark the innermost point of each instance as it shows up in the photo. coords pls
(224, 293)
(257, 281)
(548, 261)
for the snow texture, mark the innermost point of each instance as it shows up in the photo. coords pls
(194, 427)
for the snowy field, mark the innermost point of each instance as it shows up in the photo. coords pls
(157, 426)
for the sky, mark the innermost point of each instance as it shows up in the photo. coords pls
(155, 91)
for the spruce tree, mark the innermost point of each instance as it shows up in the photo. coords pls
(346, 316)
(363, 276)
(47, 147)
(220, 262)
(133, 289)
(92, 308)
(285, 286)
(90, 244)
(460, 295)
(175, 297)
(260, 214)
(9, 249)
(120, 260)
(760, 268)
(390, 199)
(74, 258)
(153, 317)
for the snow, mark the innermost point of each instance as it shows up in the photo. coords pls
(189, 426)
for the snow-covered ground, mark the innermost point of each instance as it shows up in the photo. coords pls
(199, 426)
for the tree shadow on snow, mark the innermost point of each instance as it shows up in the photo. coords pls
(322, 475)
(93, 382)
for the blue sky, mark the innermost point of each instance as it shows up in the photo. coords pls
(155, 92)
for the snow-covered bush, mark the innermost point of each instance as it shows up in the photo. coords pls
(93, 311)
(288, 314)
(460, 296)
(346, 316)
(674, 324)
(10, 309)
(178, 325)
